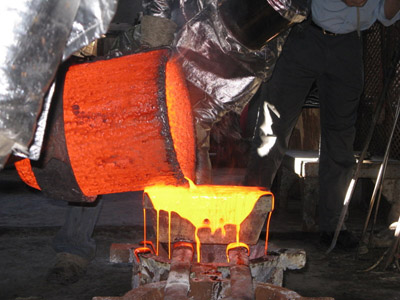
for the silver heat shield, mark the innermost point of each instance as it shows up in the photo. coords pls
(226, 73)
(36, 37)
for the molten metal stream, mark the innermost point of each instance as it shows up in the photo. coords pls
(205, 206)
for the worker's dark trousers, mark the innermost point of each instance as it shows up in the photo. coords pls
(75, 236)
(335, 64)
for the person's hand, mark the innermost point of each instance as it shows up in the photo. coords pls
(392, 7)
(357, 3)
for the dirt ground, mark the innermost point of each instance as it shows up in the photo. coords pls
(28, 221)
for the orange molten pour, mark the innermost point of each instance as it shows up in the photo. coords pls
(205, 206)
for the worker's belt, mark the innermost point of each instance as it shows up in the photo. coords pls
(325, 32)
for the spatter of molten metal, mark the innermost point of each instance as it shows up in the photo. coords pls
(206, 206)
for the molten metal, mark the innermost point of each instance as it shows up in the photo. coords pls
(212, 210)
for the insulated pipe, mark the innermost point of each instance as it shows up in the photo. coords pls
(241, 280)
(178, 283)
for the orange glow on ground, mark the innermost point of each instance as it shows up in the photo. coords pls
(205, 206)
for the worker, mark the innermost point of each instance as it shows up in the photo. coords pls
(325, 50)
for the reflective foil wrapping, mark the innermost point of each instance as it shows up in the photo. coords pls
(36, 36)
(91, 21)
(294, 11)
(157, 8)
(215, 63)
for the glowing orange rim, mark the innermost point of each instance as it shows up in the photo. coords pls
(142, 250)
(150, 243)
(236, 245)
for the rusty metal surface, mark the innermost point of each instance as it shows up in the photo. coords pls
(267, 268)
(212, 290)
(240, 276)
(182, 229)
(178, 284)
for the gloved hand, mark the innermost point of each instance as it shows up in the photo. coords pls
(156, 32)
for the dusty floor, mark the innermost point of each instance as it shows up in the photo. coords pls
(28, 221)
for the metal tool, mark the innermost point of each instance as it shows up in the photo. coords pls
(351, 187)
(380, 177)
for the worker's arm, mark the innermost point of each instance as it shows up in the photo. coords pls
(392, 7)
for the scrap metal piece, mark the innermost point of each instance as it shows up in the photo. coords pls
(270, 268)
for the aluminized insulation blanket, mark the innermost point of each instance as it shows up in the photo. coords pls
(226, 71)
(38, 36)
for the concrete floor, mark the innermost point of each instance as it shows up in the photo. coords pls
(28, 221)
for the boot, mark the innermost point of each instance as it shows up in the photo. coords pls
(68, 268)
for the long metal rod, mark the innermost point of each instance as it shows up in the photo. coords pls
(381, 174)
(378, 203)
(351, 187)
